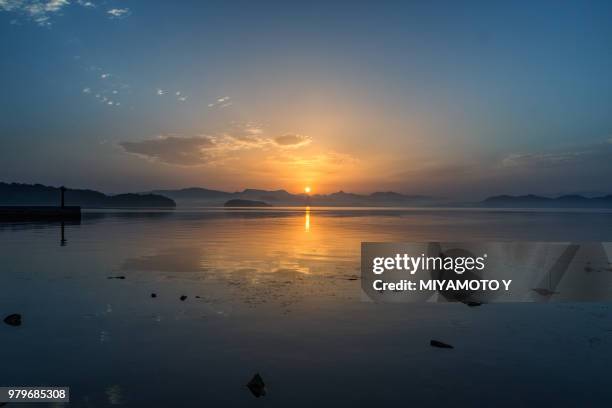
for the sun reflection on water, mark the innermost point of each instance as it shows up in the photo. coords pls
(307, 219)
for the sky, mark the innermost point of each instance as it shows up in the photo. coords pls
(443, 98)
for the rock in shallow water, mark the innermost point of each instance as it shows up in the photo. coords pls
(13, 319)
(183, 298)
(257, 386)
(439, 344)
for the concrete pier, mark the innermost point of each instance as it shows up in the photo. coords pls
(39, 213)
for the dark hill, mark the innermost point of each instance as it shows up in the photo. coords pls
(245, 203)
(17, 194)
(534, 201)
(195, 193)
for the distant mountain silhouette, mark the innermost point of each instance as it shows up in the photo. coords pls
(245, 203)
(203, 196)
(534, 201)
(16, 194)
(585, 193)
(194, 193)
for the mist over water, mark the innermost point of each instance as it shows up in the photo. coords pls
(277, 292)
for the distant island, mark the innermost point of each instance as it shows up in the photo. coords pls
(206, 197)
(17, 194)
(534, 201)
(245, 203)
(202, 196)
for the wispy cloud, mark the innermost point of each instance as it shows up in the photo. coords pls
(253, 134)
(118, 13)
(178, 95)
(10, 5)
(107, 85)
(189, 150)
(525, 160)
(327, 159)
(222, 102)
(106, 88)
(571, 156)
(55, 5)
(39, 11)
(292, 140)
(85, 3)
(249, 132)
(179, 150)
(205, 149)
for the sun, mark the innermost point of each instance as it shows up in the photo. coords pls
(307, 189)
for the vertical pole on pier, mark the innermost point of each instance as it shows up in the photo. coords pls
(63, 236)
(63, 190)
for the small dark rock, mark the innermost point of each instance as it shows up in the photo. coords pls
(116, 277)
(183, 298)
(439, 344)
(473, 304)
(153, 295)
(257, 386)
(544, 292)
(13, 319)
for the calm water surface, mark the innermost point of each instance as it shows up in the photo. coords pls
(278, 292)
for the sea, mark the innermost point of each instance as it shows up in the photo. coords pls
(181, 308)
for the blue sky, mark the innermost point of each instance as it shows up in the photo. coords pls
(445, 98)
